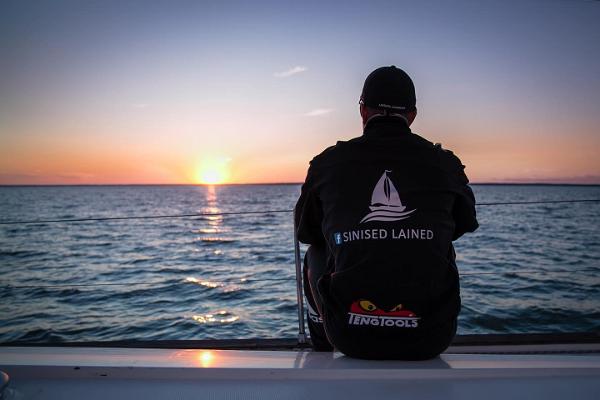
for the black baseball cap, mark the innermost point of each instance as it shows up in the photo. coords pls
(389, 88)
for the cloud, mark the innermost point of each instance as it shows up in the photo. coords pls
(292, 71)
(317, 112)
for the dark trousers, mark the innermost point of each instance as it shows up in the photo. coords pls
(315, 265)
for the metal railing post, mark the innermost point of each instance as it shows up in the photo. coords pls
(300, 296)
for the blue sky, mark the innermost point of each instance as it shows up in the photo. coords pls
(143, 92)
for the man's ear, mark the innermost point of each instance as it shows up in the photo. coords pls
(410, 116)
(363, 112)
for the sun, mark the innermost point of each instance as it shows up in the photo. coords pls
(213, 171)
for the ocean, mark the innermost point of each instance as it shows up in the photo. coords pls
(528, 269)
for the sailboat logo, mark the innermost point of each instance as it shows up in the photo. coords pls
(385, 202)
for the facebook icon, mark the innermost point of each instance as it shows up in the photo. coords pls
(337, 237)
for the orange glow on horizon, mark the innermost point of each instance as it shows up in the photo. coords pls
(498, 157)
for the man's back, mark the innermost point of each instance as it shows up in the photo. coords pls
(389, 205)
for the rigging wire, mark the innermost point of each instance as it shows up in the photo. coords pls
(243, 280)
(226, 213)
(216, 283)
(507, 203)
(143, 217)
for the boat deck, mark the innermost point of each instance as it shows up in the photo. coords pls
(463, 372)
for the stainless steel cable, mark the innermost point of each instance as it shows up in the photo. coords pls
(216, 283)
(466, 274)
(130, 217)
(49, 221)
(242, 280)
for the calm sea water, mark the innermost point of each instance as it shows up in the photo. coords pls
(529, 268)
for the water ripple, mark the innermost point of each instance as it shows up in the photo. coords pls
(232, 276)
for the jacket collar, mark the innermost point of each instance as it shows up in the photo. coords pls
(386, 126)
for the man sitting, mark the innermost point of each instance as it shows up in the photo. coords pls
(380, 213)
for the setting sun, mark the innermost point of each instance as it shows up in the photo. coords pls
(213, 171)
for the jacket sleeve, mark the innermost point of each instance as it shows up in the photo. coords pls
(465, 216)
(463, 209)
(308, 213)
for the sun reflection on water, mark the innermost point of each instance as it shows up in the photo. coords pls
(225, 287)
(212, 207)
(191, 279)
(219, 317)
(212, 226)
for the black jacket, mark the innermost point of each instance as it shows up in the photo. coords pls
(387, 205)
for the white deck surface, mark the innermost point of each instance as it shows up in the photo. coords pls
(111, 373)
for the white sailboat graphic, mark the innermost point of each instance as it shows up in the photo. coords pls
(385, 202)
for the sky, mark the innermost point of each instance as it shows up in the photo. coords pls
(144, 92)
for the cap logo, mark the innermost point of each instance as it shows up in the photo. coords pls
(382, 105)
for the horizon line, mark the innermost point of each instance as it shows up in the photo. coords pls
(508, 183)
